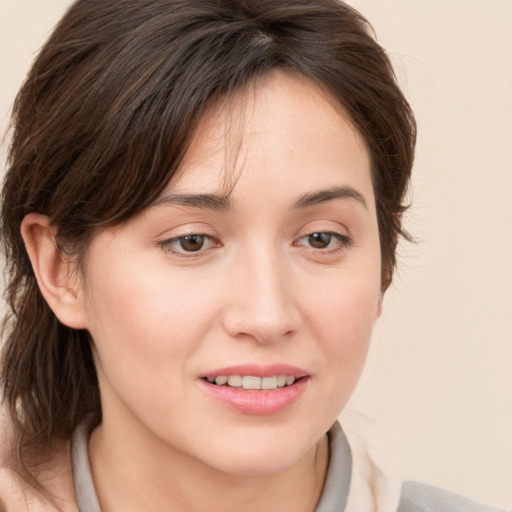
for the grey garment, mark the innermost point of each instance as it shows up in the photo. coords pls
(85, 494)
(337, 482)
(416, 497)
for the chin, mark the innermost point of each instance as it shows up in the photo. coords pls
(259, 454)
(263, 463)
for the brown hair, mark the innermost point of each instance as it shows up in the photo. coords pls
(102, 123)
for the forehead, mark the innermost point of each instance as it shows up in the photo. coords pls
(284, 129)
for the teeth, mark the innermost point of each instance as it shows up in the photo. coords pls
(235, 381)
(249, 382)
(281, 381)
(269, 383)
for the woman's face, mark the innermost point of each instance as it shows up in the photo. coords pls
(260, 262)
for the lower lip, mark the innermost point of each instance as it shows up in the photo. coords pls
(263, 402)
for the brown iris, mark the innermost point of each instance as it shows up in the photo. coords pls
(192, 243)
(320, 240)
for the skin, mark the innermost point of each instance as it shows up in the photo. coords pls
(257, 291)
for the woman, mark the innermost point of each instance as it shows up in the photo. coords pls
(200, 220)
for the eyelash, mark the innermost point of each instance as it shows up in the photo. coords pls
(169, 243)
(343, 242)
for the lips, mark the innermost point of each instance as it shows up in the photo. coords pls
(256, 389)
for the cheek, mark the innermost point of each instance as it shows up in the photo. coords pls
(143, 321)
(348, 334)
(343, 315)
(145, 331)
(141, 299)
(347, 302)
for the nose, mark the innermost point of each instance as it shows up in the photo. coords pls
(262, 301)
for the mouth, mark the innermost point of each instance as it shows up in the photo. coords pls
(253, 383)
(256, 389)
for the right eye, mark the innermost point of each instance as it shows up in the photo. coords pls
(189, 245)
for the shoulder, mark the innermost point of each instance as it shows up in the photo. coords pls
(16, 495)
(419, 497)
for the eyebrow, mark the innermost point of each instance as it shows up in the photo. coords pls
(202, 201)
(224, 203)
(321, 196)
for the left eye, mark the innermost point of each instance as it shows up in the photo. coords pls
(192, 243)
(324, 240)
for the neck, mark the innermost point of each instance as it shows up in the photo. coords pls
(132, 479)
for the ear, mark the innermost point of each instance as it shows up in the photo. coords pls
(56, 274)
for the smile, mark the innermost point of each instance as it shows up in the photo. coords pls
(256, 389)
(250, 382)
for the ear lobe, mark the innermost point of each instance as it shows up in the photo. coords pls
(55, 273)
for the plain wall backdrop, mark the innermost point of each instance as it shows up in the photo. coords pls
(437, 390)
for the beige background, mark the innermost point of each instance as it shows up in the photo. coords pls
(437, 391)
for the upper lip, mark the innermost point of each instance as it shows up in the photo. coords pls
(258, 370)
